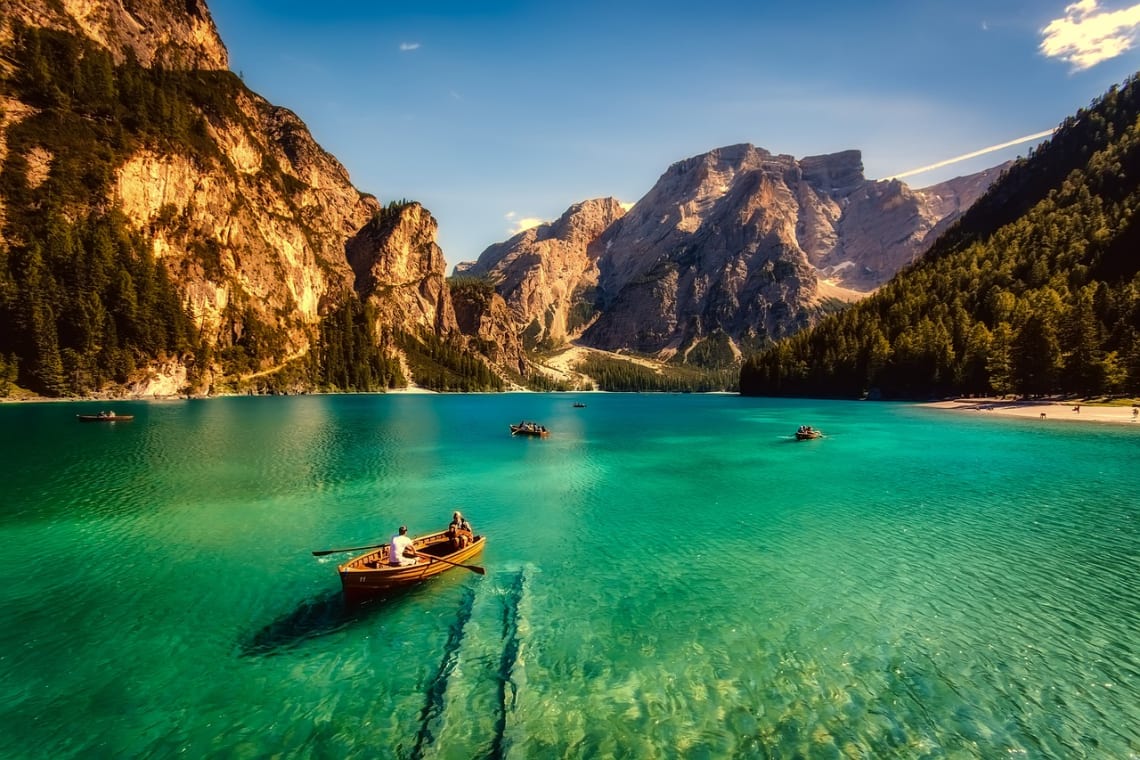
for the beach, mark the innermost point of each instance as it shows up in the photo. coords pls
(1045, 410)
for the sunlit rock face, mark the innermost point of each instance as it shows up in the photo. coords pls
(177, 34)
(399, 267)
(485, 319)
(397, 264)
(547, 274)
(262, 231)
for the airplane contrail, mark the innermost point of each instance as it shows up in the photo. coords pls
(975, 154)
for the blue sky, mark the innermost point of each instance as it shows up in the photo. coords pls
(497, 114)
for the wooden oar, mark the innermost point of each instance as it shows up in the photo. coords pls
(472, 568)
(353, 549)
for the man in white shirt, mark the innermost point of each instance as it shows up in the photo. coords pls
(401, 551)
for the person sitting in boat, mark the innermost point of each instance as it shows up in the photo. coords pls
(402, 551)
(459, 531)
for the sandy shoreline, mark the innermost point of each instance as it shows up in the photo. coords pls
(1046, 411)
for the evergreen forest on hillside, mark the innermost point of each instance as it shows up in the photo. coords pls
(85, 306)
(83, 303)
(1034, 291)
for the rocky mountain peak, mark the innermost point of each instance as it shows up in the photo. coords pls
(398, 264)
(837, 174)
(544, 272)
(580, 223)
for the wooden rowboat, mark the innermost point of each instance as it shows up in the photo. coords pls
(808, 433)
(530, 428)
(105, 417)
(370, 574)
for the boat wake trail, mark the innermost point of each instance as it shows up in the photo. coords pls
(470, 702)
(511, 675)
(431, 715)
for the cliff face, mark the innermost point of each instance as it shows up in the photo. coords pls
(712, 246)
(260, 229)
(177, 34)
(887, 225)
(484, 317)
(398, 266)
(735, 241)
(263, 229)
(547, 274)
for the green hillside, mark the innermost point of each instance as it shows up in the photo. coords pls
(1034, 291)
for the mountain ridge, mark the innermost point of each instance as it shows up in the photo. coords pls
(737, 242)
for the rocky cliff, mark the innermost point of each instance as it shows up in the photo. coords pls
(176, 34)
(547, 274)
(260, 229)
(737, 242)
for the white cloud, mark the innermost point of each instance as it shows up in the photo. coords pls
(526, 223)
(1088, 35)
(406, 46)
(519, 224)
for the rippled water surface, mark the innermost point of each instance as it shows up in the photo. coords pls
(667, 576)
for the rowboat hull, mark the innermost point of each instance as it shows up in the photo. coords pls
(105, 417)
(370, 574)
(522, 430)
(809, 436)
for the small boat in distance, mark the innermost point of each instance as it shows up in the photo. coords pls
(579, 405)
(807, 433)
(530, 428)
(370, 574)
(105, 417)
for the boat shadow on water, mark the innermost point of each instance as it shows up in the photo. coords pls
(329, 613)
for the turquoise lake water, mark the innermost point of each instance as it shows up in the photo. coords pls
(667, 576)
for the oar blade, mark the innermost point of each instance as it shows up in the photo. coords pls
(323, 552)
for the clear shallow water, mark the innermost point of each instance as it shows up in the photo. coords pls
(667, 576)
